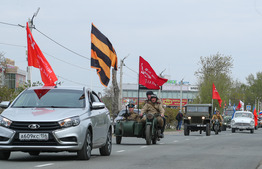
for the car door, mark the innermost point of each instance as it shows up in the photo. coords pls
(99, 121)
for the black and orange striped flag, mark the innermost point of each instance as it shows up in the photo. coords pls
(103, 55)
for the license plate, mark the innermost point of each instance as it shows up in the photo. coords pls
(33, 136)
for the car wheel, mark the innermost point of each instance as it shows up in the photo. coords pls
(34, 153)
(186, 130)
(208, 130)
(252, 131)
(118, 139)
(233, 130)
(106, 149)
(148, 134)
(4, 155)
(85, 152)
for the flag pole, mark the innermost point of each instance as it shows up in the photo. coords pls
(212, 108)
(138, 87)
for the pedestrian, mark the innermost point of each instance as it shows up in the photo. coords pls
(179, 118)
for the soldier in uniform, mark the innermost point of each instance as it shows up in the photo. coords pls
(217, 116)
(154, 106)
(132, 115)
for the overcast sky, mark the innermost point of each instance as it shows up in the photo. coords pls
(170, 34)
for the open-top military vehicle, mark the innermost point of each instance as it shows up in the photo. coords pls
(227, 116)
(131, 128)
(197, 118)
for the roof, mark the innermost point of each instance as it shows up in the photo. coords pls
(57, 87)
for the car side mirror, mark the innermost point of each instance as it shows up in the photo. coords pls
(4, 104)
(98, 105)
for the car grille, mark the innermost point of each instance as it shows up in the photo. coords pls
(243, 124)
(45, 127)
(196, 120)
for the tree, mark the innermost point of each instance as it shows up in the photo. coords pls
(214, 69)
(253, 88)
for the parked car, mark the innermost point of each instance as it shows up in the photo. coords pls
(54, 119)
(243, 120)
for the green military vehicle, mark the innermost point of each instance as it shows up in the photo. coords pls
(227, 116)
(197, 118)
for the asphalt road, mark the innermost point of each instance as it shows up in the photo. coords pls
(240, 150)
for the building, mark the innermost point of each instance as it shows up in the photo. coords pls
(170, 93)
(11, 75)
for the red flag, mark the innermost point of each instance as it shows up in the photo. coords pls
(215, 95)
(240, 105)
(37, 60)
(255, 116)
(148, 77)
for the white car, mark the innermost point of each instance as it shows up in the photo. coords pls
(243, 120)
(53, 119)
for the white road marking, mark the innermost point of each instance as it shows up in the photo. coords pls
(143, 146)
(161, 143)
(120, 151)
(187, 139)
(44, 165)
(175, 141)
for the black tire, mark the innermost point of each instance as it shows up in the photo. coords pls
(118, 139)
(208, 130)
(252, 131)
(85, 152)
(186, 131)
(34, 153)
(224, 128)
(154, 140)
(216, 129)
(233, 130)
(256, 127)
(148, 134)
(4, 155)
(200, 131)
(106, 149)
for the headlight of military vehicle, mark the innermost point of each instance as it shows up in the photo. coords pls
(203, 118)
(69, 122)
(189, 118)
(5, 122)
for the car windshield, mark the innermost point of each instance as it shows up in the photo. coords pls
(50, 98)
(122, 112)
(197, 109)
(229, 112)
(243, 115)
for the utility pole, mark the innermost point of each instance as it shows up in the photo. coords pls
(29, 68)
(121, 87)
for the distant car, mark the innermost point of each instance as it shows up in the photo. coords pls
(243, 120)
(227, 116)
(54, 119)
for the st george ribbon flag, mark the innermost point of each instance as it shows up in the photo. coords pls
(148, 77)
(38, 60)
(215, 95)
(103, 55)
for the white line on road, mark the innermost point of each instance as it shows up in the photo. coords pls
(187, 139)
(175, 141)
(44, 165)
(120, 151)
(143, 146)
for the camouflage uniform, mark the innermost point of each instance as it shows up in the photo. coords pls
(154, 108)
(134, 116)
(219, 117)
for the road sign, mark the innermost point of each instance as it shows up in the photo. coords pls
(248, 107)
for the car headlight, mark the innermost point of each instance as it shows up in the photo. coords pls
(69, 122)
(5, 122)
(252, 123)
(189, 118)
(203, 118)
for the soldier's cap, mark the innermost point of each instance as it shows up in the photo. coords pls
(130, 105)
(153, 96)
(149, 93)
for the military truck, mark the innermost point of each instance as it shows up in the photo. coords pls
(197, 118)
(227, 116)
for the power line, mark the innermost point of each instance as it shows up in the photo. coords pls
(10, 24)
(8, 44)
(62, 45)
(67, 62)
(131, 69)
